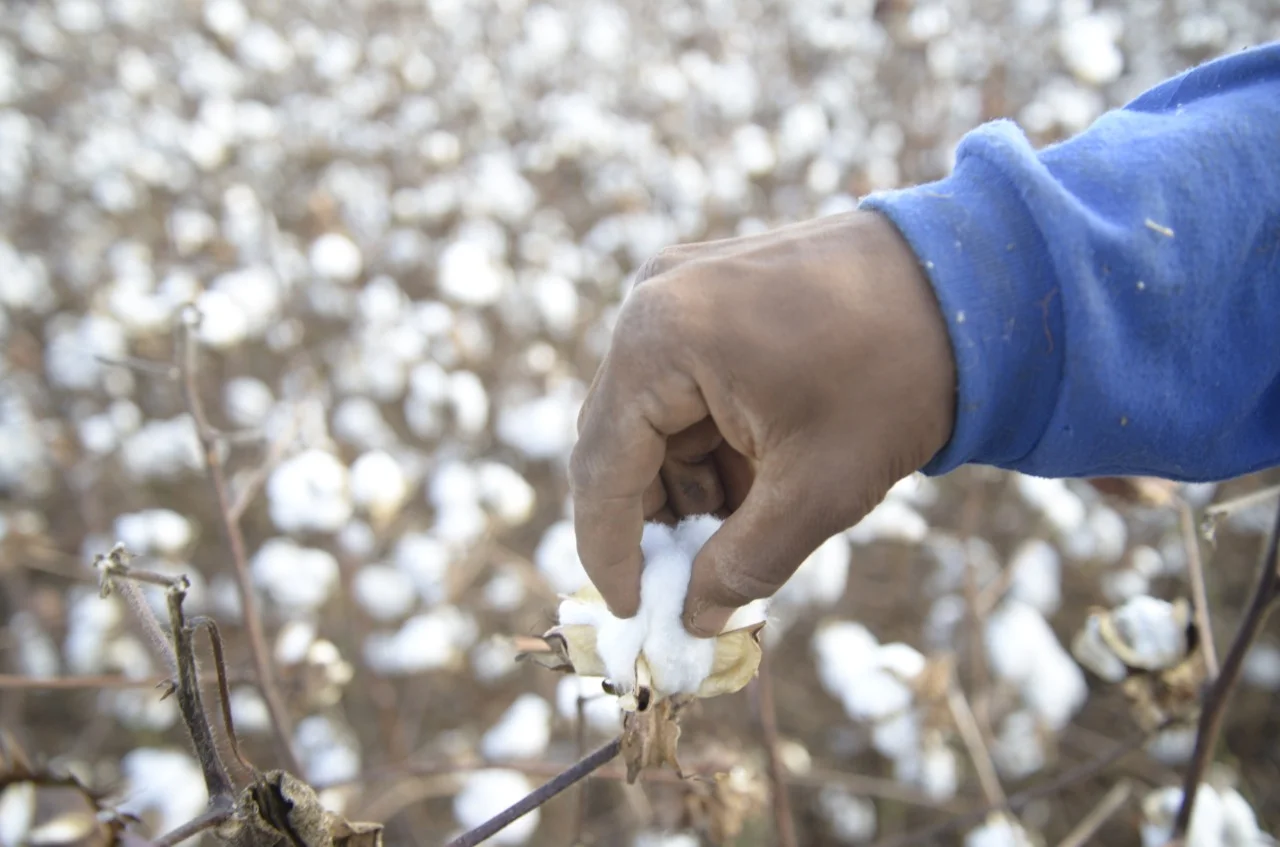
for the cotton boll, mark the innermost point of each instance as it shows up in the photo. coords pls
(619, 642)
(1240, 824)
(891, 520)
(425, 642)
(249, 711)
(335, 256)
(1055, 500)
(692, 533)
(505, 591)
(852, 819)
(898, 735)
(556, 558)
(542, 428)
(998, 831)
(17, 813)
(1088, 46)
(1056, 690)
(1019, 749)
(1172, 747)
(1016, 635)
(425, 560)
(166, 782)
(485, 793)
(523, 731)
(1160, 807)
(755, 612)
(1037, 573)
(492, 659)
(505, 492)
(327, 751)
(942, 621)
(470, 402)
(1153, 632)
(1124, 584)
(309, 492)
(379, 485)
(842, 652)
(679, 661)
(247, 401)
(294, 577)
(600, 711)
(159, 532)
(939, 776)
(467, 274)
(1092, 651)
(1109, 532)
(386, 593)
(875, 695)
(821, 578)
(1262, 666)
(901, 660)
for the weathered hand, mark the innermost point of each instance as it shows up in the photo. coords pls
(782, 381)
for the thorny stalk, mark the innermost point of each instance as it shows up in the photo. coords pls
(276, 709)
(1199, 596)
(784, 823)
(565, 780)
(208, 819)
(933, 833)
(186, 686)
(1216, 701)
(1109, 804)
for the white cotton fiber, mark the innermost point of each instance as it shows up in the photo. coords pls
(678, 661)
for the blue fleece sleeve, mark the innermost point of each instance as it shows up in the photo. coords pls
(1114, 300)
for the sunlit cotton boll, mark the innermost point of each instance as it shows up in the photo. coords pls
(429, 641)
(161, 532)
(247, 401)
(523, 731)
(506, 493)
(486, 793)
(1023, 649)
(821, 578)
(600, 711)
(386, 593)
(852, 819)
(335, 256)
(309, 492)
(468, 274)
(556, 558)
(425, 559)
(891, 520)
(1037, 574)
(164, 782)
(544, 427)
(300, 578)
(379, 486)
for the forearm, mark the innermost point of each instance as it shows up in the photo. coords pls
(1114, 301)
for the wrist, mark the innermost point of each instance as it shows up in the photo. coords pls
(986, 263)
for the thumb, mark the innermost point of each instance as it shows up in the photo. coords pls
(758, 547)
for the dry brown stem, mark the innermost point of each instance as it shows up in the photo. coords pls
(783, 821)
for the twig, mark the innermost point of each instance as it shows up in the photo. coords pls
(539, 796)
(1219, 695)
(1199, 596)
(235, 540)
(580, 737)
(258, 477)
(783, 821)
(73, 683)
(1217, 511)
(976, 745)
(1092, 822)
(208, 819)
(224, 691)
(1070, 777)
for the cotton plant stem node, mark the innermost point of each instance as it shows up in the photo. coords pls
(650, 662)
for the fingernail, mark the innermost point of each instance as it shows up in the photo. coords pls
(707, 621)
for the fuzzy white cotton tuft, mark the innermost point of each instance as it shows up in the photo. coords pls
(522, 732)
(678, 661)
(485, 794)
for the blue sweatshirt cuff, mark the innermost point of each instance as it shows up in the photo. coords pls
(990, 271)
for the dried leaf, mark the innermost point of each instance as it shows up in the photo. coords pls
(1170, 695)
(650, 737)
(348, 834)
(737, 660)
(718, 807)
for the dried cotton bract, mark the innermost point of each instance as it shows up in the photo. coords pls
(1150, 646)
(650, 656)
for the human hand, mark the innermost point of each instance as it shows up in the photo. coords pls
(781, 381)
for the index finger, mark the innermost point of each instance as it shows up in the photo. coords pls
(638, 399)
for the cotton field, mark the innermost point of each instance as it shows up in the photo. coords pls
(395, 234)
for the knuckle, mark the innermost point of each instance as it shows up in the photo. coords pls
(656, 265)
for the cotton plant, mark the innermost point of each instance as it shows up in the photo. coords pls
(894, 691)
(1221, 816)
